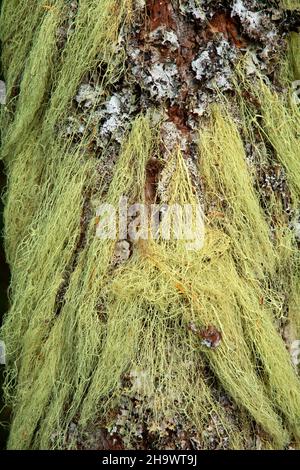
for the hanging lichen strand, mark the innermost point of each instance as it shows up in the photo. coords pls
(145, 344)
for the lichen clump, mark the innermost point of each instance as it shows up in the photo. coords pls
(115, 344)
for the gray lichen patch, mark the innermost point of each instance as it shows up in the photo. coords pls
(2, 92)
(115, 116)
(172, 137)
(251, 20)
(214, 65)
(122, 252)
(102, 120)
(162, 81)
(87, 95)
(164, 37)
(261, 26)
(194, 8)
(139, 5)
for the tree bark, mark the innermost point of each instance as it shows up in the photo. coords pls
(138, 339)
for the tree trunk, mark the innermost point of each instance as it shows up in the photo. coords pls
(152, 223)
